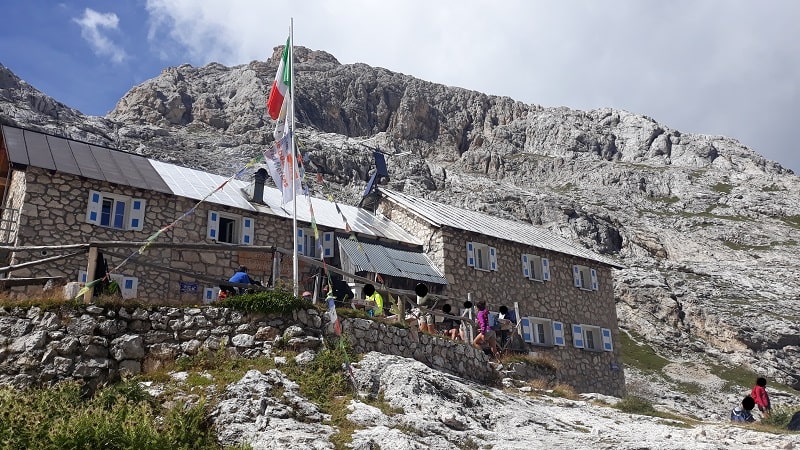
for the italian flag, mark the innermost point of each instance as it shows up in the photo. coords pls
(281, 84)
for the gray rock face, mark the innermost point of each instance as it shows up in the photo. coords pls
(430, 409)
(707, 228)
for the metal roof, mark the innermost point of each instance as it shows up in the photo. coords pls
(33, 148)
(197, 185)
(390, 261)
(440, 215)
(333, 215)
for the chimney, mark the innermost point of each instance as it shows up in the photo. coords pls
(260, 178)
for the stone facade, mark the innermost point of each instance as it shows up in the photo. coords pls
(557, 299)
(95, 344)
(53, 208)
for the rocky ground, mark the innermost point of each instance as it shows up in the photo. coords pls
(421, 408)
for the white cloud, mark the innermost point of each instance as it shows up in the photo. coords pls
(708, 67)
(93, 26)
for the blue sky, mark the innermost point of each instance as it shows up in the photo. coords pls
(728, 67)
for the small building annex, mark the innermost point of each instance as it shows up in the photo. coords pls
(565, 292)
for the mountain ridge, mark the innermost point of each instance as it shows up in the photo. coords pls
(706, 227)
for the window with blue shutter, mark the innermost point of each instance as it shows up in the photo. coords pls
(594, 279)
(300, 242)
(527, 332)
(576, 276)
(545, 269)
(327, 244)
(577, 335)
(558, 334)
(492, 258)
(526, 268)
(213, 225)
(607, 345)
(470, 254)
(248, 230)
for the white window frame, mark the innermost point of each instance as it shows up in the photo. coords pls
(481, 256)
(585, 278)
(592, 338)
(542, 332)
(132, 218)
(243, 228)
(535, 267)
(307, 244)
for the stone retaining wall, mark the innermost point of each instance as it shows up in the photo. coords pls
(436, 352)
(96, 344)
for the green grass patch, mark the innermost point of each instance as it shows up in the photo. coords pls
(772, 188)
(640, 356)
(636, 405)
(667, 200)
(689, 388)
(723, 188)
(276, 301)
(737, 246)
(117, 417)
(792, 221)
(779, 418)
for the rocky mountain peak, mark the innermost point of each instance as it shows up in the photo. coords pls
(707, 228)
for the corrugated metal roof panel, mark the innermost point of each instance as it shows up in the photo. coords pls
(151, 178)
(195, 184)
(476, 222)
(15, 145)
(111, 172)
(39, 150)
(327, 215)
(391, 261)
(85, 159)
(62, 155)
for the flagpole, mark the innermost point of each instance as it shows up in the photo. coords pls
(295, 268)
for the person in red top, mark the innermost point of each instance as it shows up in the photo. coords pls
(759, 394)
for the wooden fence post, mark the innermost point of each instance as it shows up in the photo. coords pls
(90, 269)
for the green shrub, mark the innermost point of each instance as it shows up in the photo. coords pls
(636, 405)
(118, 417)
(779, 417)
(271, 302)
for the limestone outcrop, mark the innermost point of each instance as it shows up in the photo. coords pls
(707, 228)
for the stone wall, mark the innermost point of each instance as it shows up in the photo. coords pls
(436, 352)
(95, 344)
(557, 299)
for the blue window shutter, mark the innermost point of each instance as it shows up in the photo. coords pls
(558, 333)
(93, 208)
(545, 269)
(327, 244)
(248, 227)
(527, 332)
(607, 344)
(577, 335)
(213, 225)
(470, 254)
(526, 268)
(576, 276)
(136, 220)
(300, 242)
(492, 258)
(594, 280)
(82, 276)
(210, 294)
